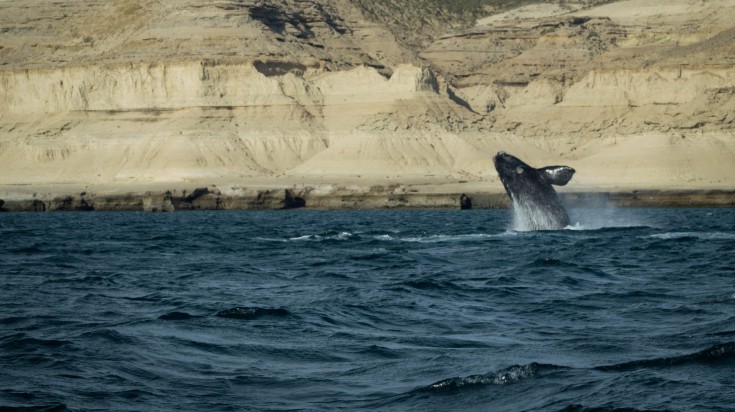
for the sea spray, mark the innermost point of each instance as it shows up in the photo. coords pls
(528, 216)
(608, 216)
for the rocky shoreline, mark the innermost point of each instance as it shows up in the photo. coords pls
(210, 198)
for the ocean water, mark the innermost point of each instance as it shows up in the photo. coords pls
(367, 310)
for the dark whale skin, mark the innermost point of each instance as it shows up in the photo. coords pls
(531, 191)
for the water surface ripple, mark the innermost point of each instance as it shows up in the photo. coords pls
(365, 310)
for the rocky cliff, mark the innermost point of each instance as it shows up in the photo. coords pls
(627, 67)
(332, 96)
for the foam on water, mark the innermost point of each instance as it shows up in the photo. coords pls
(721, 299)
(324, 236)
(693, 235)
(313, 237)
(506, 376)
(433, 238)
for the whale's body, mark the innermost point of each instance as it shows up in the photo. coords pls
(535, 202)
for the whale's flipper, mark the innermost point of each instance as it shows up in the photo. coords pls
(557, 175)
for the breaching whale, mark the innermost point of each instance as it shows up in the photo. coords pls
(535, 202)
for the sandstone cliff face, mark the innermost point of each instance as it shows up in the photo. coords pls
(173, 121)
(137, 94)
(628, 67)
(333, 34)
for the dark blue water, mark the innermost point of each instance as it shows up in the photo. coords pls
(366, 310)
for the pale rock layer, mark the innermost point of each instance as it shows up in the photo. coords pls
(312, 94)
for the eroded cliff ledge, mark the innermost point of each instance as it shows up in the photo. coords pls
(314, 96)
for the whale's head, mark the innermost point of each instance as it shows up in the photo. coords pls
(517, 176)
(508, 166)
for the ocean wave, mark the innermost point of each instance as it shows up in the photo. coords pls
(548, 262)
(22, 342)
(59, 407)
(505, 376)
(693, 236)
(108, 335)
(427, 284)
(311, 238)
(381, 352)
(388, 310)
(325, 236)
(37, 247)
(581, 408)
(175, 316)
(394, 237)
(443, 238)
(249, 313)
(715, 354)
(721, 299)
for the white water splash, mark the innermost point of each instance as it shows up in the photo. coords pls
(527, 219)
(532, 217)
(512, 374)
(696, 235)
(604, 218)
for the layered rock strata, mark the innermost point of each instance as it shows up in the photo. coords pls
(151, 98)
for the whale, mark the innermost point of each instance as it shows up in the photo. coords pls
(536, 204)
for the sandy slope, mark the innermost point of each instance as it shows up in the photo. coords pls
(142, 96)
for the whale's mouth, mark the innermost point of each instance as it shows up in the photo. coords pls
(505, 161)
(499, 156)
(502, 155)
